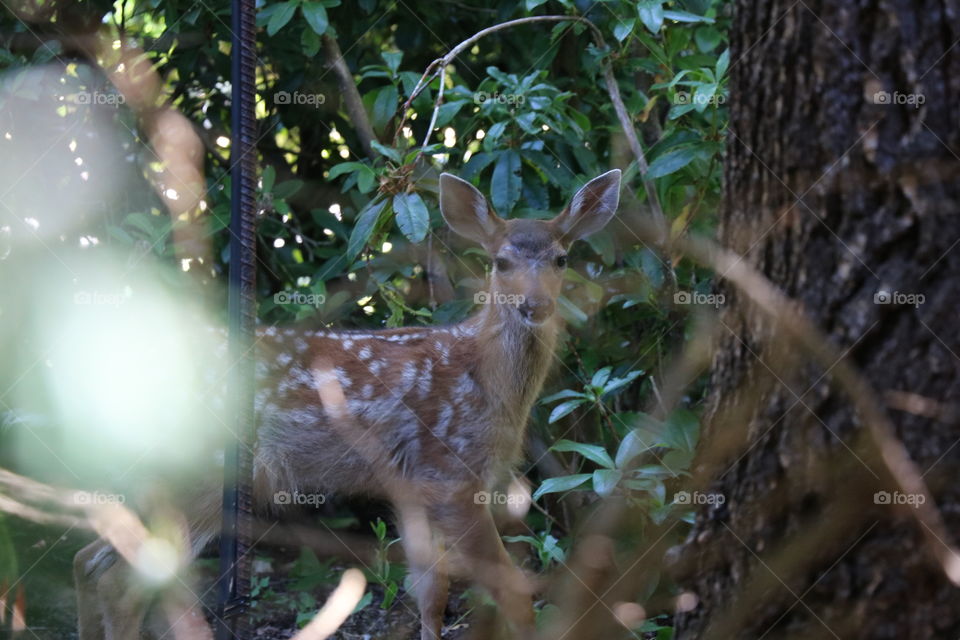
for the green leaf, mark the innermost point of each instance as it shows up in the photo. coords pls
(617, 383)
(683, 429)
(344, 167)
(366, 222)
(267, 178)
(600, 377)
(592, 452)
(605, 481)
(385, 106)
(566, 393)
(389, 152)
(651, 15)
(686, 16)
(723, 62)
(287, 188)
(448, 110)
(533, 4)
(309, 42)
(506, 183)
(364, 601)
(281, 16)
(316, 15)
(560, 484)
(477, 163)
(671, 162)
(707, 38)
(563, 409)
(623, 29)
(393, 59)
(412, 216)
(366, 179)
(631, 446)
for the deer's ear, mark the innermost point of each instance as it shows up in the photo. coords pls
(466, 210)
(591, 208)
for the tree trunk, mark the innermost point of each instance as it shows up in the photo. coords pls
(842, 184)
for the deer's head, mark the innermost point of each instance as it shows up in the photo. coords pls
(529, 256)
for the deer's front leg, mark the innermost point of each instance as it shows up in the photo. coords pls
(428, 573)
(470, 530)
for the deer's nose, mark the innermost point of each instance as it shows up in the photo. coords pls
(536, 308)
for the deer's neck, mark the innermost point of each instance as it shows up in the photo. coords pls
(513, 357)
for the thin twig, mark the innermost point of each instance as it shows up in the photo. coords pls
(613, 90)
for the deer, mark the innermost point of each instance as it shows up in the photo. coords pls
(427, 417)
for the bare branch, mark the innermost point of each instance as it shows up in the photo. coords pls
(351, 97)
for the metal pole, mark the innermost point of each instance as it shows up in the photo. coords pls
(235, 540)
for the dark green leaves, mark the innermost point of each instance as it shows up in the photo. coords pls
(506, 183)
(563, 483)
(651, 14)
(366, 222)
(412, 216)
(671, 161)
(281, 16)
(316, 16)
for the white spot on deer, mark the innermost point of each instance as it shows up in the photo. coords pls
(426, 378)
(348, 343)
(270, 331)
(289, 333)
(444, 350)
(343, 378)
(444, 420)
(408, 376)
(300, 345)
(284, 359)
(365, 353)
(296, 377)
(367, 392)
(377, 366)
(464, 387)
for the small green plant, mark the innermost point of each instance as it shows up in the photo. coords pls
(548, 548)
(384, 572)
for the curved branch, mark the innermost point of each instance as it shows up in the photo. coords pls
(438, 66)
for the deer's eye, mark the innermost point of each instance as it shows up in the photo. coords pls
(561, 262)
(502, 264)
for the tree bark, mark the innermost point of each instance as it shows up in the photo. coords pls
(841, 183)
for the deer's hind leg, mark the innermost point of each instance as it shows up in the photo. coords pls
(109, 604)
(469, 529)
(428, 574)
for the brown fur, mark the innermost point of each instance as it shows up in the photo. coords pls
(423, 417)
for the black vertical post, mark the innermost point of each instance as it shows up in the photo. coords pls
(235, 540)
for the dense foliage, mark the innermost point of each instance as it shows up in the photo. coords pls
(355, 238)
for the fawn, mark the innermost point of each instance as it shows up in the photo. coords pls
(424, 417)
